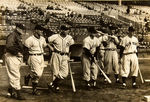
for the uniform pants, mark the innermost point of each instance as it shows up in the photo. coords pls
(36, 63)
(101, 58)
(59, 65)
(13, 64)
(129, 65)
(111, 62)
(90, 70)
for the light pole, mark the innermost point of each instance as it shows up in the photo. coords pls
(119, 2)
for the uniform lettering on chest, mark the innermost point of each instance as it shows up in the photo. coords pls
(131, 43)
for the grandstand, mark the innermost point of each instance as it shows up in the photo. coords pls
(75, 14)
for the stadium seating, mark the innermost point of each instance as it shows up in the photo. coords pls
(77, 15)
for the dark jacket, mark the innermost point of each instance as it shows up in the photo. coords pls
(14, 43)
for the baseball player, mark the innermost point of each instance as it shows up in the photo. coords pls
(111, 55)
(90, 70)
(129, 58)
(102, 41)
(59, 45)
(35, 45)
(13, 60)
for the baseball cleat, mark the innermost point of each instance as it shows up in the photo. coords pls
(135, 86)
(118, 81)
(11, 93)
(123, 86)
(53, 88)
(35, 92)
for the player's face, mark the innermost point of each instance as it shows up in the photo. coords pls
(131, 34)
(38, 33)
(92, 35)
(64, 33)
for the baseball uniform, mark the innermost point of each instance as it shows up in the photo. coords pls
(60, 55)
(129, 59)
(102, 39)
(90, 69)
(111, 55)
(13, 60)
(36, 59)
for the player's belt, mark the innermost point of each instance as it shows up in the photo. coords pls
(110, 49)
(129, 53)
(37, 54)
(61, 53)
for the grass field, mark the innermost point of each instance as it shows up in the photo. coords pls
(105, 93)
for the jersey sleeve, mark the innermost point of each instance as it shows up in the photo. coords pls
(137, 42)
(100, 40)
(97, 42)
(28, 42)
(122, 43)
(44, 42)
(51, 38)
(70, 41)
(116, 40)
(86, 44)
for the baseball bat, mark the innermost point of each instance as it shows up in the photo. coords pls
(102, 72)
(141, 77)
(72, 80)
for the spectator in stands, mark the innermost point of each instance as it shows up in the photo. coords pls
(35, 45)
(57, 8)
(90, 70)
(128, 9)
(13, 60)
(147, 26)
(49, 7)
(71, 14)
(59, 45)
(7, 10)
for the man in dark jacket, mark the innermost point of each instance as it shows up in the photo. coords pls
(13, 60)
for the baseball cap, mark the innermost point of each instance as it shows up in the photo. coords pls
(131, 29)
(38, 27)
(64, 27)
(19, 25)
(91, 30)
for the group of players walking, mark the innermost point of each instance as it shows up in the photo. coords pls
(103, 49)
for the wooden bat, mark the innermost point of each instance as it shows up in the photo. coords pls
(102, 71)
(141, 77)
(72, 80)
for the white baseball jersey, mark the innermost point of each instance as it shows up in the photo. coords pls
(90, 71)
(61, 44)
(91, 44)
(129, 60)
(58, 62)
(101, 39)
(111, 41)
(130, 44)
(36, 62)
(35, 45)
(111, 56)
